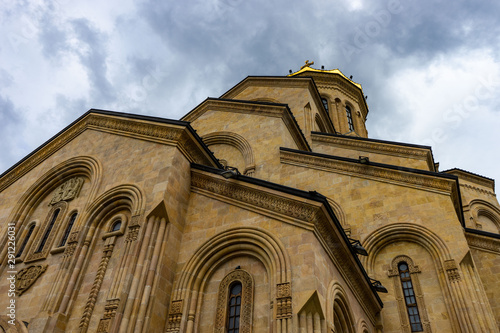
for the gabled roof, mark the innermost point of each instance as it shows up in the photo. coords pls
(251, 107)
(284, 82)
(172, 132)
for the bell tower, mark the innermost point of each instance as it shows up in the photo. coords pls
(342, 97)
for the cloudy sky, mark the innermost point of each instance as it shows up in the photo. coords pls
(431, 69)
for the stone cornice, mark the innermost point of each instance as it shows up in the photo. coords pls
(473, 178)
(309, 214)
(255, 108)
(483, 243)
(477, 189)
(171, 134)
(377, 147)
(375, 171)
(399, 177)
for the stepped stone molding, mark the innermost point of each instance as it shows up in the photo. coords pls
(377, 147)
(483, 243)
(401, 177)
(254, 197)
(109, 313)
(140, 129)
(27, 276)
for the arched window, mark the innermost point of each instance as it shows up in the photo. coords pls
(409, 295)
(410, 298)
(325, 103)
(116, 226)
(25, 242)
(68, 229)
(234, 303)
(349, 118)
(47, 232)
(234, 308)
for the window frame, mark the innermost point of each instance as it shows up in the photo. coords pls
(413, 271)
(247, 292)
(350, 119)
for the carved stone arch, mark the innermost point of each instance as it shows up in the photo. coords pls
(411, 232)
(449, 282)
(82, 166)
(363, 326)
(6, 326)
(338, 310)
(247, 285)
(228, 244)
(393, 273)
(237, 141)
(85, 166)
(481, 208)
(123, 197)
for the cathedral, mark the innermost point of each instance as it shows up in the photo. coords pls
(268, 209)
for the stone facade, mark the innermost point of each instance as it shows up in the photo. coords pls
(126, 223)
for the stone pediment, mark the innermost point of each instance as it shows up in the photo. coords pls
(257, 108)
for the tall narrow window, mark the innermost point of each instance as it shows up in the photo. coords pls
(349, 118)
(25, 242)
(68, 229)
(325, 103)
(234, 307)
(47, 232)
(409, 296)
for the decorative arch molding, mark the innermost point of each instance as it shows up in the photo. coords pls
(86, 166)
(247, 285)
(483, 208)
(411, 232)
(234, 242)
(123, 197)
(338, 309)
(237, 141)
(363, 326)
(454, 284)
(339, 213)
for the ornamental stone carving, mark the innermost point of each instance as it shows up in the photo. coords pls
(246, 301)
(27, 276)
(283, 300)
(67, 191)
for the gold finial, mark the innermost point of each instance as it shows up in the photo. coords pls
(308, 64)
